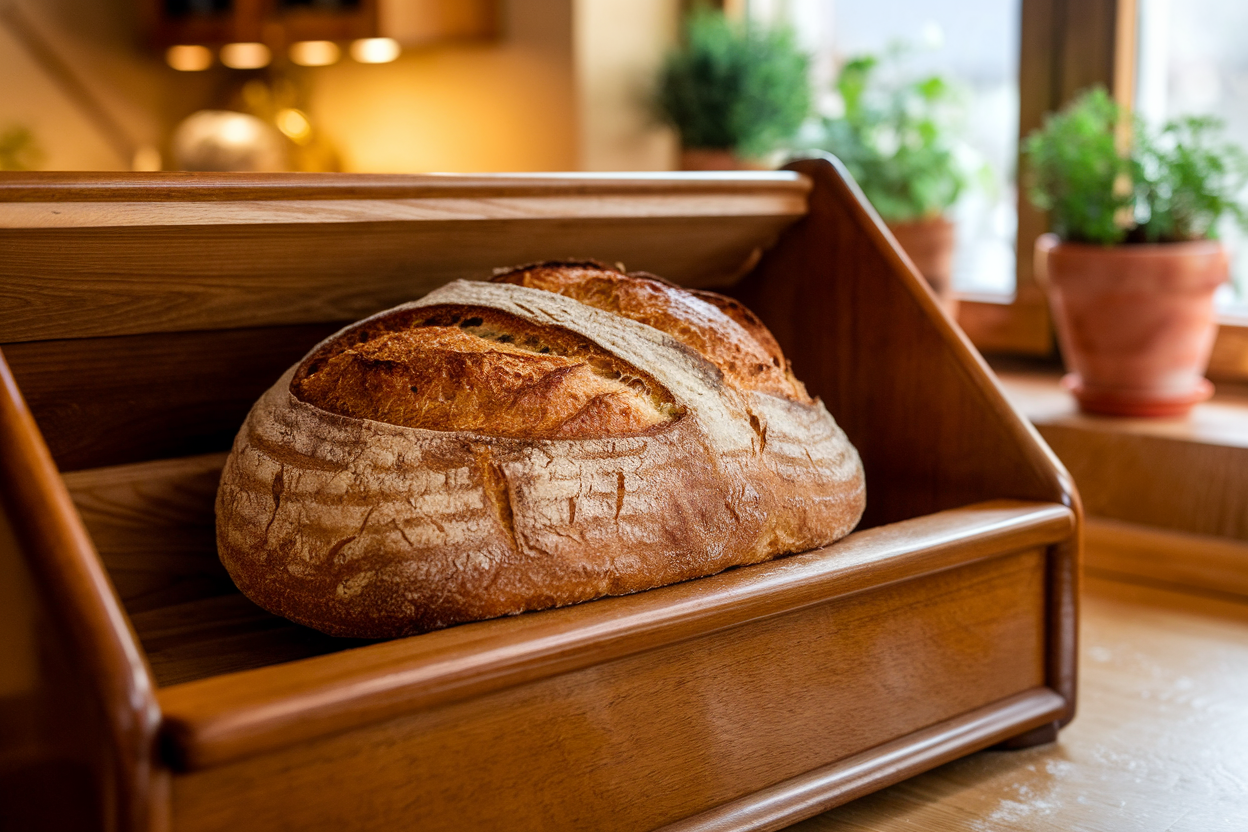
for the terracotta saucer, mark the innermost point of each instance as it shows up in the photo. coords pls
(1127, 403)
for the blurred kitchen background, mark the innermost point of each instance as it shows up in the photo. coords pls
(407, 86)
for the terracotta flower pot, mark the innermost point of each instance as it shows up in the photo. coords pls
(929, 243)
(702, 158)
(1136, 322)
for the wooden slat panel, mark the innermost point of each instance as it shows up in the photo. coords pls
(585, 750)
(846, 780)
(16, 215)
(84, 256)
(226, 717)
(154, 527)
(79, 282)
(105, 401)
(77, 186)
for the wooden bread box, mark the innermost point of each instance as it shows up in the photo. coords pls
(140, 317)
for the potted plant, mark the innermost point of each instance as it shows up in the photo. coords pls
(734, 91)
(896, 139)
(1133, 262)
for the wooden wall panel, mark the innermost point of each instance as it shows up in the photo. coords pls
(120, 281)
(83, 256)
(105, 401)
(510, 759)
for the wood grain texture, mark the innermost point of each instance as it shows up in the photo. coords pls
(1158, 746)
(56, 759)
(844, 304)
(219, 719)
(1018, 326)
(80, 186)
(836, 290)
(844, 780)
(595, 757)
(94, 256)
(1175, 560)
(153, 526)
(105, 401)
(905, 626)
(42, 215)
(1229, 360)
(120, 281)
(88, 626)
(1184, 475)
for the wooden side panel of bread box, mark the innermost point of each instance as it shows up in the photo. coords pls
(141, 317)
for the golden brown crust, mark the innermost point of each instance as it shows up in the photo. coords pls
(347, 505)
(479, 370)
(716, 327)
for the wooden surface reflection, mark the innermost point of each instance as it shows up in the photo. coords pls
(1159, 745)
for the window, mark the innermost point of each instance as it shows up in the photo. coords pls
(974, 45)
(1193, 60)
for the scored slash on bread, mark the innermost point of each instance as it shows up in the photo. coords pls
(466, 368)
(564, 432)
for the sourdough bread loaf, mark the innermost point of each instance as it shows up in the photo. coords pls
(562, 433)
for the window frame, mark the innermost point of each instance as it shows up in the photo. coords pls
(1067, 46)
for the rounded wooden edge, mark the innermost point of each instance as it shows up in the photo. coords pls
(72, 578)
(832, 181)
(838, 783)
(217, 187)
(215, 721)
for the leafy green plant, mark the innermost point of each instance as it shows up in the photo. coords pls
(896, 138)
(739, 87)
(1105, 178)
(18, 149)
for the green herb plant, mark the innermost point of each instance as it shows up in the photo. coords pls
(1105, 177)
(739, 87)
(897, 138)
(18, 149)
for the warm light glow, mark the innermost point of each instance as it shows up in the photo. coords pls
(223, 140)
(295, 125)
(237, 129)
(189, 58)
(146, 158)
(315, 52)
(375, 50)
(245, 55)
